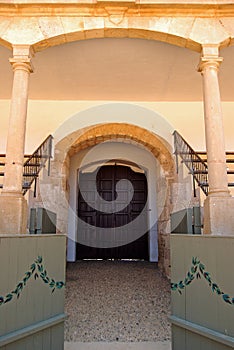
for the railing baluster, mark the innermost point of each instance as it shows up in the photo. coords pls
(35, 163)
(194, 163)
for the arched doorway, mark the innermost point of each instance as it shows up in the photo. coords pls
(84, 131)
(135, 213)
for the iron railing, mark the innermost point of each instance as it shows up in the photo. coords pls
(33, 164)
(229, 162)
(197, 167)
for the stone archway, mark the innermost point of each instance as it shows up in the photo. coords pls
(56, 24)
(133, 133)
(54, 191)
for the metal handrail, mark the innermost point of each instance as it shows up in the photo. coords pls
(3, 157)
(197, 167)
(33, 164)
(229, 156)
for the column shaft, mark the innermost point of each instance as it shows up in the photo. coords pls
(218, 182)
(17, 128)
(13, 206)
(219, 205)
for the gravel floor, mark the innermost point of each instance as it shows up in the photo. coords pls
(123, 301)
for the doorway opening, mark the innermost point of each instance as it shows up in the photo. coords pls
(129, 202)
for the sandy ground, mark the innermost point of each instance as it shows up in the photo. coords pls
(116, 301)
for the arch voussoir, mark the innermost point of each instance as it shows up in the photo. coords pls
(125, 133)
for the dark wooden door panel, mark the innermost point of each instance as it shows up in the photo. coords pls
(106, 181)
(134, 250)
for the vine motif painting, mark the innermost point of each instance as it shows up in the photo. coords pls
(38, 271)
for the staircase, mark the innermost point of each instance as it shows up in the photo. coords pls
(32, 165)
(196, 162)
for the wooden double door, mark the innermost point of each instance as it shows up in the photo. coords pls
(106, 180)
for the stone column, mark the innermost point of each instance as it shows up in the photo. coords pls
(217, 214)
(13, 206)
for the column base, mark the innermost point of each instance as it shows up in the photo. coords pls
(218, 216)
(13, 214)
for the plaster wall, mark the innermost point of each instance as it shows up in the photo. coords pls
(45, 117)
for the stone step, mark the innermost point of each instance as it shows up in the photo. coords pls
(165, 345)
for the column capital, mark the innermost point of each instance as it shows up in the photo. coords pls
(209, 62)
(22, 58)
(21, 64)
(210, 57)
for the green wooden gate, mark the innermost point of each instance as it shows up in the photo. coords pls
(32, 281)
(202, 292)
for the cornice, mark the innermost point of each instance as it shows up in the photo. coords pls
(104, 8)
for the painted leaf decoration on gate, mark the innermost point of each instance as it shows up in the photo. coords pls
(198, 270)
(37, 270)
